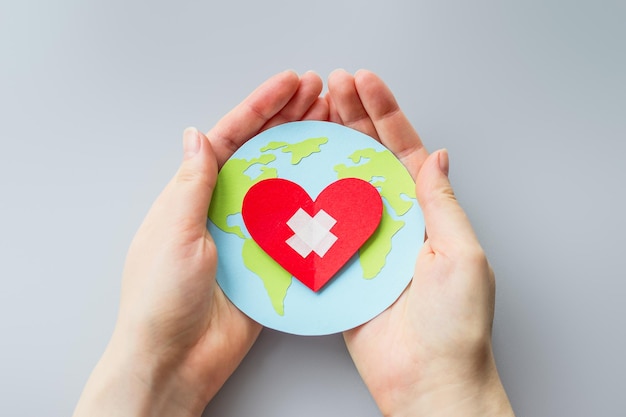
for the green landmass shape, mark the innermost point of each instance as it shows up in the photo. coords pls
(299, 150)
(232, 185)
(373, 254)
(392, 187)
(276, 279)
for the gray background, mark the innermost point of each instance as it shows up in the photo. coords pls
(528, 96)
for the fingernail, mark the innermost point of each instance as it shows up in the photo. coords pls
(444, 161)
(191, 142)
(311, 72)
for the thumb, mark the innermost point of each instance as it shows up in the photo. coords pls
(447, 225)
(188, 194)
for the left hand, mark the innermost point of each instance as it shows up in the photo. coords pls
(429, 354)
(178, 338)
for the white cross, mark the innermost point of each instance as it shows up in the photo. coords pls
(312, 234)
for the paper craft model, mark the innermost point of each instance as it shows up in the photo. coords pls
(312, 239)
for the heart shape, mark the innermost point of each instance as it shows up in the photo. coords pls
(312, 240)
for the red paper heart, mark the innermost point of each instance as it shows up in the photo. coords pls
(311, 239)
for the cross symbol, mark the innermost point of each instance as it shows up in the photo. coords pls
(312, 234)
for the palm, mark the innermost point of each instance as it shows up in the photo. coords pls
(421, 332)
(374, 347)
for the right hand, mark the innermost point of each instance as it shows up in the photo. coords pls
(178, 338)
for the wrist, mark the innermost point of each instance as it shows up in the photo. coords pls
(461, 400)
(130, 383)
(455, 393)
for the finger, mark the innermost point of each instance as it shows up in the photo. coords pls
(347, 103)
(308, 91)
(185, 201)
(449, 230)
(393, 128)
(317, 111)
(195, 180)
(333, 116)
(247, 119)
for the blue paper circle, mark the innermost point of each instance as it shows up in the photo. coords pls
(315, 154)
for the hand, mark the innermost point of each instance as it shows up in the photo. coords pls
(178, 338)
(429, 354)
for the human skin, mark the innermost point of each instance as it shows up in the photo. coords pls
(178, 338)
(430, 353)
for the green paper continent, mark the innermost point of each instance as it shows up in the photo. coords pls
(231, 187)
(276, 280)
(299, 150)
(391, 188)
(373, 253)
